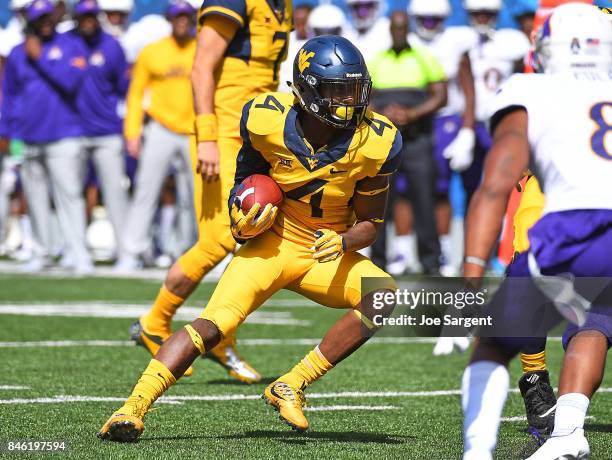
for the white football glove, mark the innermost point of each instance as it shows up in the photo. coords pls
(460, 152)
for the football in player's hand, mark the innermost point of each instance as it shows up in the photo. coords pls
(261, 189)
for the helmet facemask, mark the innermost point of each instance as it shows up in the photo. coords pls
(365, 13)
(429, 27)
(338, 103)
(483, 21)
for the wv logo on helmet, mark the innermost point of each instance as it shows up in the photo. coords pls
(304, 57)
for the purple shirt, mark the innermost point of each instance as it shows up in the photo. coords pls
(39, 97)
(104, 85)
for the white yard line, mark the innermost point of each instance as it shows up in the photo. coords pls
(343, 408)
(523, 418)
(68, 343)
(70, 399)
(234, 397)
(244, 342)
(64, 399)
(103, 310)
(271, 303)
(13, 387)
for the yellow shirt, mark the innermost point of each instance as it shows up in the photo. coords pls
(162, 73)
(253, 57)
(528, 213)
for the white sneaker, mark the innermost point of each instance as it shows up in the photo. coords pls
(127, 264)
(397, 267)
(67, 262)
(477, 455)
(573, 446)
(447, 345)
(22, 255)
(163, 261)
(36, 265)
(84, 268)
(448, 271)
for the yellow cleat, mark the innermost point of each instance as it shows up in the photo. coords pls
(151, 341)
(125, 425)
(226, 355)
(288, 402)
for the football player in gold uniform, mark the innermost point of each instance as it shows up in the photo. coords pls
(332, 158)
(240, 46)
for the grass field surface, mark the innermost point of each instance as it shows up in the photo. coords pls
(67, 364)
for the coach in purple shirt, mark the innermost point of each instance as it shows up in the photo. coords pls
(41, 83)
(104, 86)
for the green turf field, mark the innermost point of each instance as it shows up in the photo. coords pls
(389, 400)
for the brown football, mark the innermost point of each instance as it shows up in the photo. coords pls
(261, 189)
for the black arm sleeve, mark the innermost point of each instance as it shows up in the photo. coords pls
(250, 161)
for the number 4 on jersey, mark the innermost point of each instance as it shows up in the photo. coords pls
(377, 125)
(271, 103)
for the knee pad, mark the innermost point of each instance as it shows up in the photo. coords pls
(365, 321)
(196, 338)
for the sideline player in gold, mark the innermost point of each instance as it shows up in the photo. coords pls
(332, 158)
(240, 46)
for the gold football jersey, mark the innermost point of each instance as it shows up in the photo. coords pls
(252, 60)
(318, 185)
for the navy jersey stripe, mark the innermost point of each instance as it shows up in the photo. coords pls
(250, 161)
(394, 158)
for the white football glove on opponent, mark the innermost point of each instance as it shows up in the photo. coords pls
(460, 152)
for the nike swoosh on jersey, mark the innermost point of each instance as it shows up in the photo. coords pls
(336, 171)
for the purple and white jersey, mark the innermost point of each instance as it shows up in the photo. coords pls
(449, 47)
(375, 39)
(570, 135)
(493, 63)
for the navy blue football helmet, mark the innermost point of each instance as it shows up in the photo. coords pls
(331, 81)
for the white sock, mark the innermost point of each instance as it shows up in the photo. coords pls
(403, 244)
(446, 247)
(27, 241)
(484, 389)
(570, 413)
(167, 218)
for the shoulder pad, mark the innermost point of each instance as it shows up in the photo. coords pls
(511, 44)
(268, 112)
(377, 134)
(462, 37)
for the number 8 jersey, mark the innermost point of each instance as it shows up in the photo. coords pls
(570, 135)
(318, 185)
(253, 57)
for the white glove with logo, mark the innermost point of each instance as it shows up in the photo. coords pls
(460, 152)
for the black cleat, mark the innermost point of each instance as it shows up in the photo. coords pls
(540, 403)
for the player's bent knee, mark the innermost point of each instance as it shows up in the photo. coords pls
(375, 307)
(204, 334)
(196, 338)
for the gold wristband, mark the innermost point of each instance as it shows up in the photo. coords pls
(206, 127)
